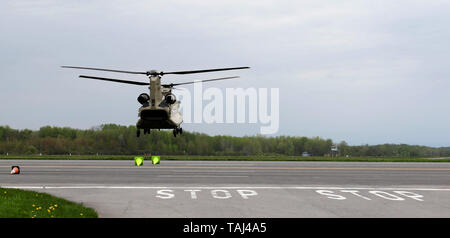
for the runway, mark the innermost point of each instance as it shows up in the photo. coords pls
(241, 188)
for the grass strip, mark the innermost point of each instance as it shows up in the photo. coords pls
(227, 158)
(17, 203)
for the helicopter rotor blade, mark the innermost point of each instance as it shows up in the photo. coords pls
(207, 80)
(109, 70)
(202, 71)
(114, 80)
(154, 72)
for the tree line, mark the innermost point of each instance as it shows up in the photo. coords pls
(111, 139)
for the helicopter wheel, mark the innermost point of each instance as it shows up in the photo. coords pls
(180, 130)
(138, 133)
(175, 132)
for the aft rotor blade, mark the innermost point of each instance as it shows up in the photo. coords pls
(109, 70)
(207, 80)
(114, 80)
(202, 71)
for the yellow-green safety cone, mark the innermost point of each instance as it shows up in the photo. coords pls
(156, 159)
(138, 161)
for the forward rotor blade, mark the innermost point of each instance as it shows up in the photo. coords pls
(181, 89)
(109, 70)
(114, 80)
(202, 71)
(207, 80)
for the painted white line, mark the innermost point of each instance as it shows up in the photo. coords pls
(201, 176)
(225, 187)
(212, 171)
(213, 164)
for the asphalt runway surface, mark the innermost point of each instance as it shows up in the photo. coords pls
(241, 188)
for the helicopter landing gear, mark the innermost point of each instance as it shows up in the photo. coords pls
(177, 130)
(146, 131)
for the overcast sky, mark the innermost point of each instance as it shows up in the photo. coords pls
(361, 71)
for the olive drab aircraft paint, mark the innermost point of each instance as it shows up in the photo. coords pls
(159, 109)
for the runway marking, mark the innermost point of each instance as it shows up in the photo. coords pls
(224, 187)
(224, 167)
(216, 193)
(213, 171)
(392, 196)
(201, 176)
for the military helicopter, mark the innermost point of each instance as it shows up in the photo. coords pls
(159, 110)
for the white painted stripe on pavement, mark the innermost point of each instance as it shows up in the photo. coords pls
(224, 187)
(201, 176)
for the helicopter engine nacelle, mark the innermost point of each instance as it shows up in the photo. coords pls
(143, 98)
(170, 98)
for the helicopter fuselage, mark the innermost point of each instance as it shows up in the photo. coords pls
(159, 113)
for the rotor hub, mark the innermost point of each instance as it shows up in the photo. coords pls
(154, 73)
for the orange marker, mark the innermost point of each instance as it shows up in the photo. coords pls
(15, 170)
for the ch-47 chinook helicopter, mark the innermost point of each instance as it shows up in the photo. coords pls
(159, 110)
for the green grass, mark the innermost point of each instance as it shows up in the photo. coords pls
(16, 203)
(228, 158)
(300, 158)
